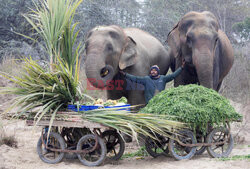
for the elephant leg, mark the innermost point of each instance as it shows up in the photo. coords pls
(136, 97)
(179, 80)
(115, 94)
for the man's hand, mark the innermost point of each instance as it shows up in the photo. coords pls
(183, 63)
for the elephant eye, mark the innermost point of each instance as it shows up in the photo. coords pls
(186, 24)
(113, 35)
(86, 45)
(109, 47)
(189, 41)
(216, 41)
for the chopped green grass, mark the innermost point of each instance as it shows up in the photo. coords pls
(139, 153)
(194, 105)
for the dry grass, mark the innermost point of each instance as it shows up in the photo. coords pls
(9, 141)
(11, 65)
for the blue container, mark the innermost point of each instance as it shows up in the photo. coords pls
(92, 107)
(122, 107)
(82, 107)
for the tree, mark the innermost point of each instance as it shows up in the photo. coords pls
(226, 11)
(242, 29)
(161, 16)
(93, 13)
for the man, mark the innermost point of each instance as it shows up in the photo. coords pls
(154, 83)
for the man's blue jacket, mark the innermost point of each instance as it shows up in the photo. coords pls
(151, 85)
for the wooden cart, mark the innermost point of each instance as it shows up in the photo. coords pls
(90, 142)
(217, 141)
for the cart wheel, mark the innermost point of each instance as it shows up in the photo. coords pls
(54, 141)
(114, 143)
(94, 158)
(157, 148)
(181, 152)
(220, 134)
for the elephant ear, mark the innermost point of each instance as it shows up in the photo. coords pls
(174, 40)
(128, 56)
(174, 43)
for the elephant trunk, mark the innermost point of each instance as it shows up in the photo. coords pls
(97, 72)
(203, 61)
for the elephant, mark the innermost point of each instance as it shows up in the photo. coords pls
(111, 49)
(206, 49)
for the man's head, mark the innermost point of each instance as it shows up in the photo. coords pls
(154, 71)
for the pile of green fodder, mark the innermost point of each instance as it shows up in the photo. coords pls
(195, 105)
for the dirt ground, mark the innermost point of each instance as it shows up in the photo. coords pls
(25, 155)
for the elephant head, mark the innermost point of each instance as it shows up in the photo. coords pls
(196, 38)
(108, 50)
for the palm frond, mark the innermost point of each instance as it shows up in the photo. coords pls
(129, 123)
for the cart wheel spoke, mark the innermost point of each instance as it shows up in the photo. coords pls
(108, 138)
(155, 149)
(117, 142)
(216, 148)
(114, 151)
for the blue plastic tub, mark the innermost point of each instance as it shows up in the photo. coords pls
(92, 107)
(82, 107)
(123, 107)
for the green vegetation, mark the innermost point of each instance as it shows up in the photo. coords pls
(243, 28)
(236, 157)
(139, 153)
(192, 104)
(55, 85)
(37, 86)
(52, 20)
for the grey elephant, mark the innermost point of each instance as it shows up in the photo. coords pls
(110, 49)
(198, 39)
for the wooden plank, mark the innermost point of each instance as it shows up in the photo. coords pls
(74, 124)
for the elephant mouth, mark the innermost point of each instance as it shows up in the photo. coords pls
(104, 72)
